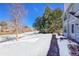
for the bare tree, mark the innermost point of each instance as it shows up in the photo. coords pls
(17, 13)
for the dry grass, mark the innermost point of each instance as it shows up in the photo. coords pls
(5, 33)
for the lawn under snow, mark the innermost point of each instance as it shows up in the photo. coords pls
(30, 44)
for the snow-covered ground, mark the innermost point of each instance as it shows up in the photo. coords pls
(30, 44)
(63, 46)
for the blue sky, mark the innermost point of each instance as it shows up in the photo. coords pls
(33, 10)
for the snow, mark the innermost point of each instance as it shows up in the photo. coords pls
(63, 47)
(30, 44)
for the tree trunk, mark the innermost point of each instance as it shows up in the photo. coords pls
(17, 30)
(17, 37)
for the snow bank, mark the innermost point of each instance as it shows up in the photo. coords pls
(63, 47)
(28, 45)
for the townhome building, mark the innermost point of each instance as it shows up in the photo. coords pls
(71, 21)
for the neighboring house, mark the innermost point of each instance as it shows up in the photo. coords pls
(26, 29)
(71, 21)
(6, 26)
(3, 26)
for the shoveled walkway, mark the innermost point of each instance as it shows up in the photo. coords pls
(54, 49)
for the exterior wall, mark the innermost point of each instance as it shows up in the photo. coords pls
(68, 24)
(77, 31)
(71, 19)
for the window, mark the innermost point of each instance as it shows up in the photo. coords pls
(72, 28)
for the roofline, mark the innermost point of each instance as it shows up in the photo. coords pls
(67, 10)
